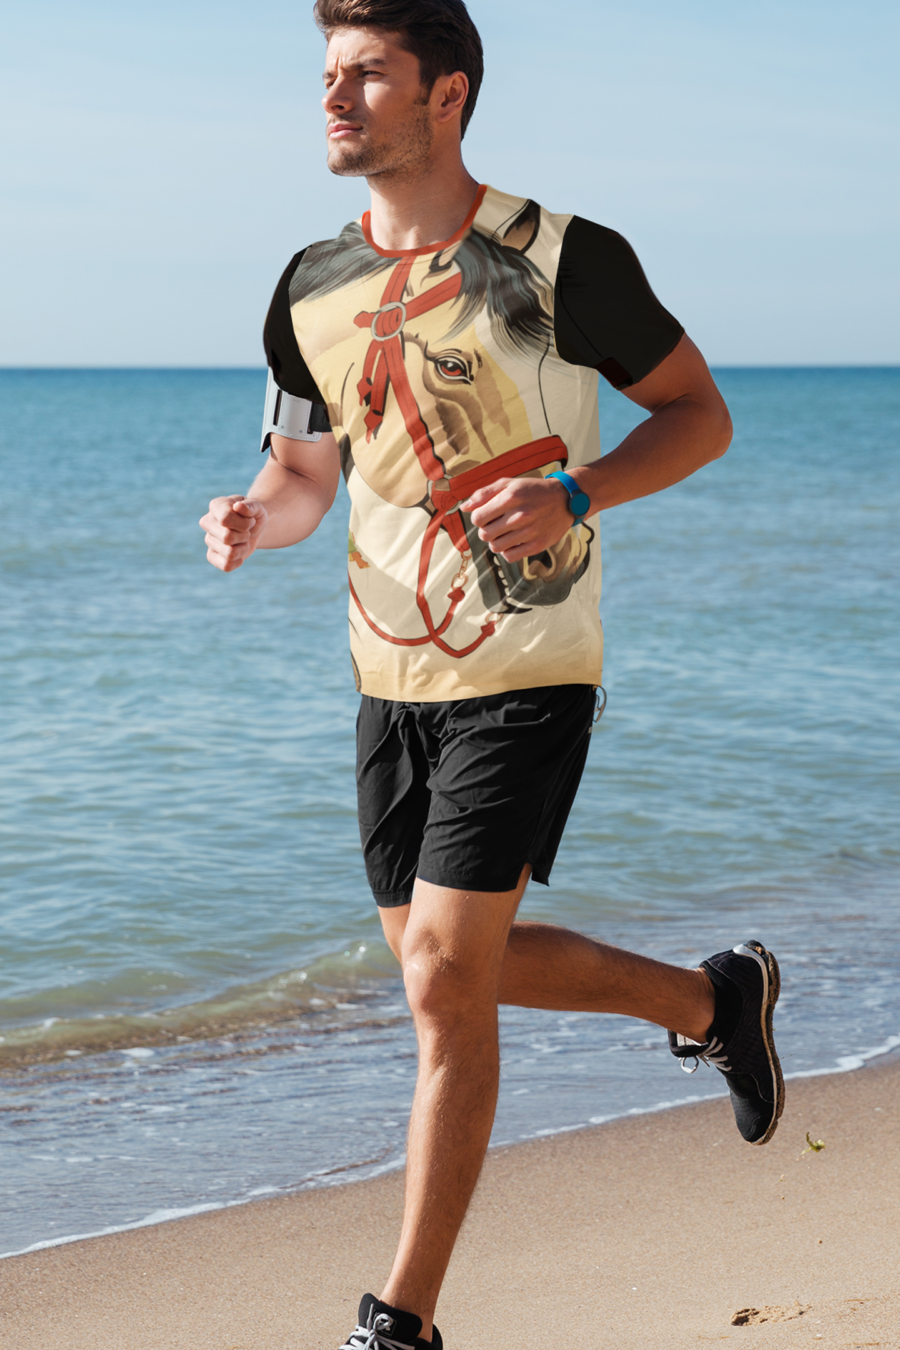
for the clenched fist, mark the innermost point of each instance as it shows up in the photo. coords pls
(517, 517)
(233, 528)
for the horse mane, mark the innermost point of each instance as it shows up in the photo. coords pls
(334, 263)
(494, 275)
(511, 287)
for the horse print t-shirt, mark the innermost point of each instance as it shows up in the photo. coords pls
(443, 369)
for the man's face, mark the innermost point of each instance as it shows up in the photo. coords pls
(379, 124)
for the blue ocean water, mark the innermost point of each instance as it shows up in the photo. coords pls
(195, 1002)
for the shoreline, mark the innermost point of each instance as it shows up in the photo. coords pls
(652, 1230)
(889, 1053)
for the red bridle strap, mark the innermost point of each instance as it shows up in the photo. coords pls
(384, 365)
(446, 499)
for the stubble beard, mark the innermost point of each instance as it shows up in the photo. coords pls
(403, 156)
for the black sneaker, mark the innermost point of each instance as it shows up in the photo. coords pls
(382, 1327)
(740, 1042)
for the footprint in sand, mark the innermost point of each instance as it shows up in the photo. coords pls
(746, 1317)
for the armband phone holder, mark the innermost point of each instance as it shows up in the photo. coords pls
(287, 415)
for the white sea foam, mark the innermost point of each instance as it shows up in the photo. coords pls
(167, 1215)
(847, 1063)
(158, 1216)
(344, 1175)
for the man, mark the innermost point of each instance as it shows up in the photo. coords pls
(458, 379)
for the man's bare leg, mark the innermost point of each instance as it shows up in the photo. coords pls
(462, 955)
(545, 966)
(550, 967)
(451, 944)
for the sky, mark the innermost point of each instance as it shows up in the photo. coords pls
(161, 163)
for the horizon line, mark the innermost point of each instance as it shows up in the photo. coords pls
(713, 365)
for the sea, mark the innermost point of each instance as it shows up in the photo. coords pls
(196, 1004)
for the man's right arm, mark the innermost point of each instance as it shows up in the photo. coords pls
(286, 503)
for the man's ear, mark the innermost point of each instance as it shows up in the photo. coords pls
(524, 229)
(454, 94)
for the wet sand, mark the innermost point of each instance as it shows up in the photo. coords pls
(652, 1233)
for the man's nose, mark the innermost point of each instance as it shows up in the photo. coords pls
(338, 97)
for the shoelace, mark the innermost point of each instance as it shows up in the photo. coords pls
(375, 1337)
(713, 1053)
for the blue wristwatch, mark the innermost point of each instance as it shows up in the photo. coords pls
(579, 502)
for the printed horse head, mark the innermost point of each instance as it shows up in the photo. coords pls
(438, 376)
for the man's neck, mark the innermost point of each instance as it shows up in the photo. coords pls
(413, 213)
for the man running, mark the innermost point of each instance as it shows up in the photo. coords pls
(443, 353)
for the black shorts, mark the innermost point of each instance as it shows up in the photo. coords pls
(463, 794)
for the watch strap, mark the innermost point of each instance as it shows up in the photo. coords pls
(574, 491)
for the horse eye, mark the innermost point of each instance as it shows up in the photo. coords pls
(453, 369)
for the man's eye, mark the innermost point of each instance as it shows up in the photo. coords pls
(452, 368)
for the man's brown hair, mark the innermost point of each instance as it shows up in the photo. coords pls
(439, 32)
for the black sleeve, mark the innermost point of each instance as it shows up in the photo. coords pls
(605, 314)
(282, 352)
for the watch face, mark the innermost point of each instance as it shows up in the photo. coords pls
(579, 503)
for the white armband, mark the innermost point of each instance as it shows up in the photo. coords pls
(286, 415)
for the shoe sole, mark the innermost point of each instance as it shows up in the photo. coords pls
(771, 989)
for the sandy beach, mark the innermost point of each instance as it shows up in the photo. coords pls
(658, 1231)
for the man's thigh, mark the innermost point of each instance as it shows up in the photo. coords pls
(467, 930)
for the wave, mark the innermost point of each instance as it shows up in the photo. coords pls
(325, 992)
(333, 1176)
(368, 1168)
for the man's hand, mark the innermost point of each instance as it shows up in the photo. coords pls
(518, 517)
(688, 426)
(234, 527)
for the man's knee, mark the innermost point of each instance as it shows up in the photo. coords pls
(452, 954)
(444, 986)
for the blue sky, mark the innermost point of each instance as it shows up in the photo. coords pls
(162, 162)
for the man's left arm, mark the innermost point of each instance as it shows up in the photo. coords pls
(688, 427)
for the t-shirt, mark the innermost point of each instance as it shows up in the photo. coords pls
(441, 370)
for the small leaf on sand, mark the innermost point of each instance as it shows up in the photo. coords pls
(813, 1145)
